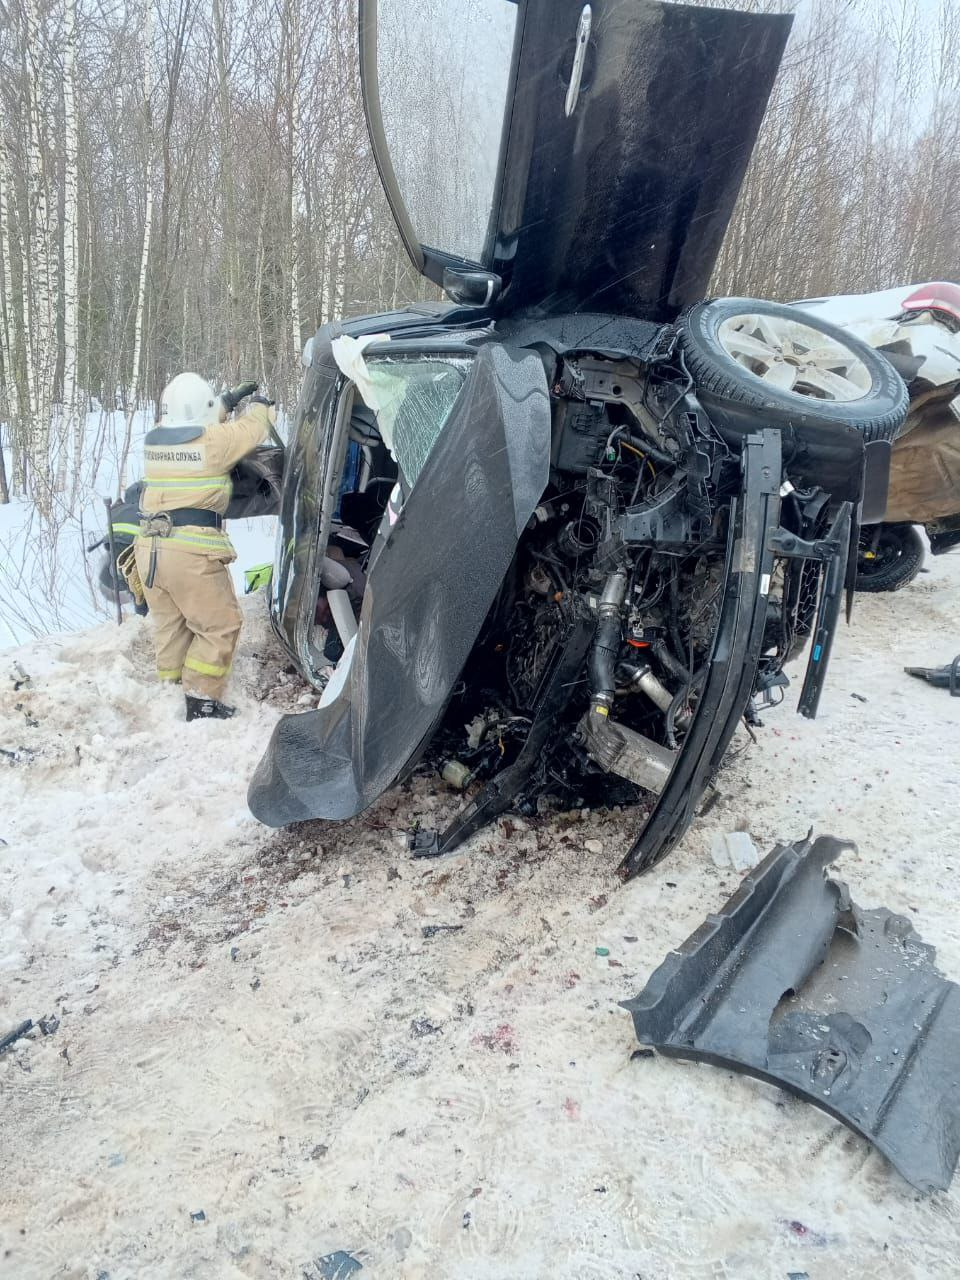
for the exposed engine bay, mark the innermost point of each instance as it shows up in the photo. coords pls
(562, 574)
(629, 546)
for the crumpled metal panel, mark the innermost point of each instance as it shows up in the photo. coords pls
(432, 579)
(794, 984)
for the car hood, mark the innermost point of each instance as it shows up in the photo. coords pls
(433, 576)
(580, 156)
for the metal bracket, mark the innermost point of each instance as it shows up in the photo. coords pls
(664, 522)
(791, 547)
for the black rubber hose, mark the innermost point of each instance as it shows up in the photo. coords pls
(671, 713)
(555, 565)
(603, 657)
(662, 653)
(643, 446)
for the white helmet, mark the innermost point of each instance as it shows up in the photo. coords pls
(189, 401)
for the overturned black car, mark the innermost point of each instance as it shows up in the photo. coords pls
(567, 530)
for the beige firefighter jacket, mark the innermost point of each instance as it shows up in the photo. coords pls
(197, 474)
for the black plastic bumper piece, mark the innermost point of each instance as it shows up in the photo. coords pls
(794, 984)
(828, 612)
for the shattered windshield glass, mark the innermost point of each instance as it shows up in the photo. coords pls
(414, 399)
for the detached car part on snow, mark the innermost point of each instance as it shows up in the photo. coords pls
(793, 983)
(584, 525)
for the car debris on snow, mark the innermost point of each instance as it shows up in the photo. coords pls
(334, 1266)
(794, 983)
(733, 849)
(46, 1026)
(16, 1034)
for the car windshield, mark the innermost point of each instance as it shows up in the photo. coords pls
(414, 399)
(388, 422)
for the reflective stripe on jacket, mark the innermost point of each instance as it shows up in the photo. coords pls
(197, 474)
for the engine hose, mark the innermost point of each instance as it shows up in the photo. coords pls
(603, 657)
(661, 652)
(606, 645)
(678, 698)
(642, 444)
(651, 450)
(555, 565)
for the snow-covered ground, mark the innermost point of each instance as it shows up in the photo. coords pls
(270, 1047)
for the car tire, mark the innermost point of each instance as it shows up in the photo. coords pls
(740, 400)
(900, 560)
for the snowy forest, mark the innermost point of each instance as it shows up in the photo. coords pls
(188, 184)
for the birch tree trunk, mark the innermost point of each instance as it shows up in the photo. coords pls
(294, 54)
(221, 34)
(38, 317)
(70, 427)
(8, 329)
(133, 390)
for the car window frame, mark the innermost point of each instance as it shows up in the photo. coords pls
(431, 261)
(416, 351)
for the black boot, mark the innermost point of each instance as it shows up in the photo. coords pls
(208, 709)
(941, 543)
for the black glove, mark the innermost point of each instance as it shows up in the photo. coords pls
(233, 397)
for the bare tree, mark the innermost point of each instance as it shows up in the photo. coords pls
(135, 383)
(71, 421)
(188, 183)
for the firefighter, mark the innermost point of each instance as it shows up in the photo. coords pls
(182, 550)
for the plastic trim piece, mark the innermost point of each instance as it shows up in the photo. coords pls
(793, 983)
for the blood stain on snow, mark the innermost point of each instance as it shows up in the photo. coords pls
(501, 1040)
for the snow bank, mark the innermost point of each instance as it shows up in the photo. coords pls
(318, 1044)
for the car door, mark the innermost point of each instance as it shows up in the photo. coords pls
(556, 156)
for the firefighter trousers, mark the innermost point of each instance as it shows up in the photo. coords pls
(196, 617)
